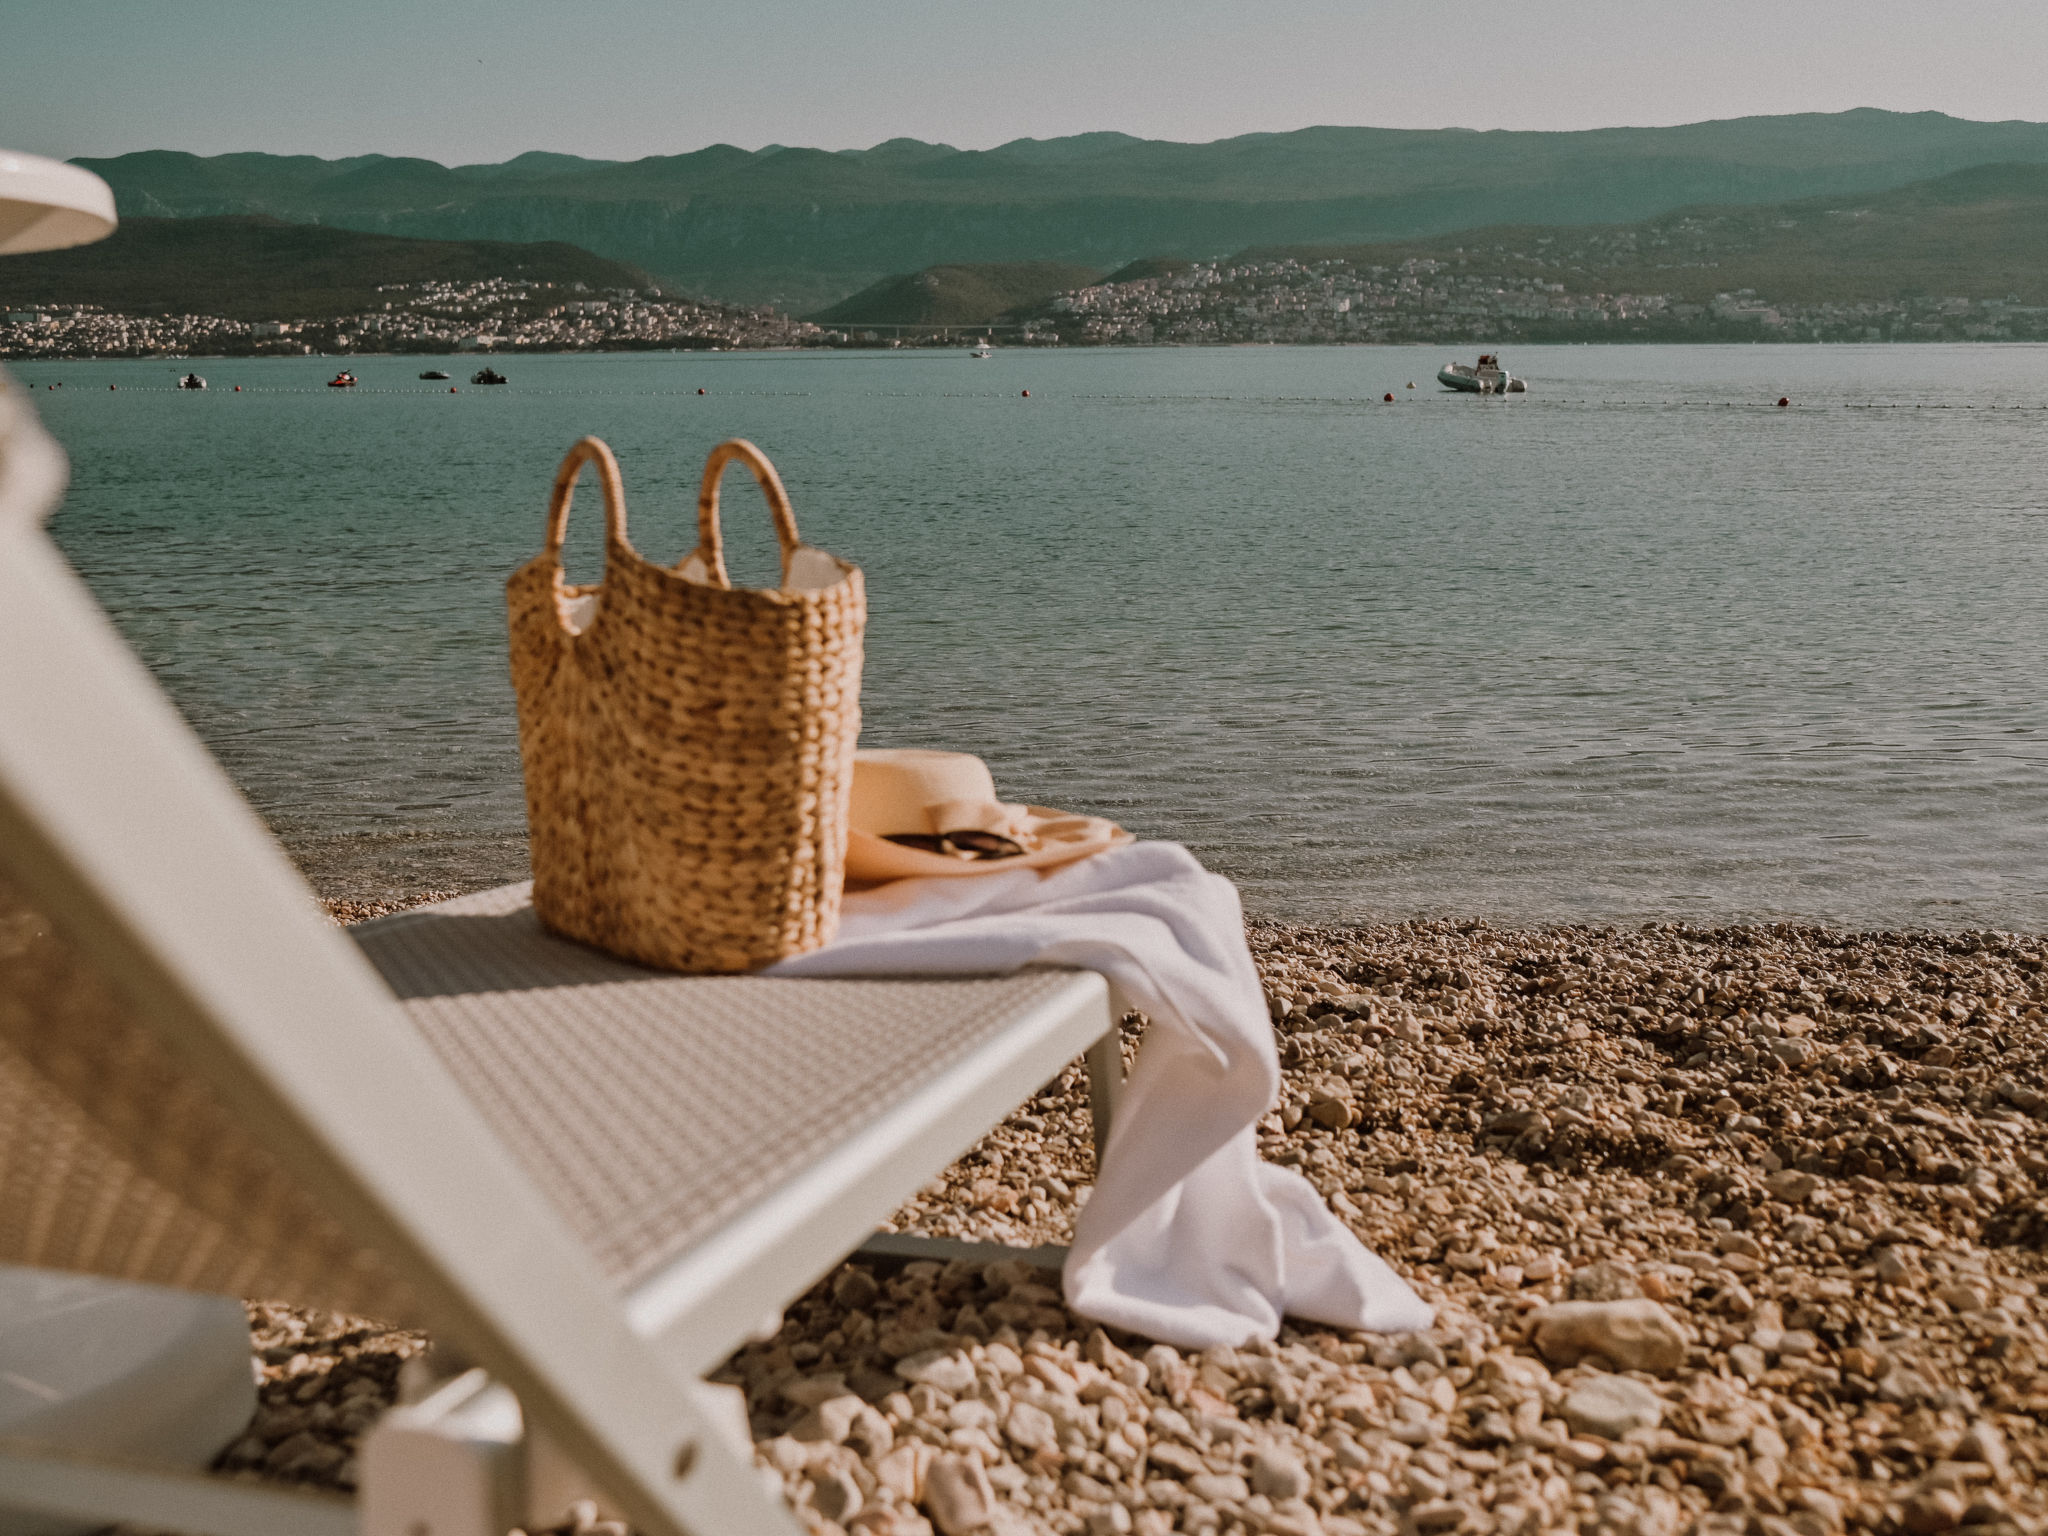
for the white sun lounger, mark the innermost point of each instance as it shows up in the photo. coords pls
(592, 1182)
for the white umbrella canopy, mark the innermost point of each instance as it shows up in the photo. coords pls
(46, 205)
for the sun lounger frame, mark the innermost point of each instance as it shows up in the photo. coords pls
(125, 831)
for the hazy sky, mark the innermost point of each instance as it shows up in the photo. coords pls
(463, 80)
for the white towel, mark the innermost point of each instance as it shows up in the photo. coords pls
(1189, 1237)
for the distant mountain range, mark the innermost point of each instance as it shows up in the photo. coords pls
(246, 268)
(804, 227)
(1979, 234)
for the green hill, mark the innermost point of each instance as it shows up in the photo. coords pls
(806, 227)
(957, 295)
(1980, 232)
(247, 268)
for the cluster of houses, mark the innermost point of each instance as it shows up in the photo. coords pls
(497, 314)
(1219, 302)
(1429, 299)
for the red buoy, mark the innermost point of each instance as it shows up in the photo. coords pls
(1782, 400)
(1027, 394)
(1390, 397)
(451, 389)
(238, 389)
(700, 391)
(113, 386)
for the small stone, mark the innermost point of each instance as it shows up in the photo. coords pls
(1219, 1488)
(1279, 1475)
(1030, 1427)
(1793, 1188)
(947, 1370)
(1986, 1509)
(1636, 1334)
(1938, 1509)
(1177, 1459)
(855, 1290)
(831, 1421)
(809, 1391)
(1604, 1281)
(1894, 1265)
(957, 1495)
(891, 1520)
(1962, 1298)
(1611, 1406)
(1905, 1387)
(1084, 1487)
(783, 1454)
(835, 1495)
(1983, 1442)
(1333, 1113)
(1821, 1503)
(903, 1470)
(1794, 1053)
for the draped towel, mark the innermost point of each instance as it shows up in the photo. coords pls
(1189, 1237)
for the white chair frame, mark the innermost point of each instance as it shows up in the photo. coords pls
(119, 824)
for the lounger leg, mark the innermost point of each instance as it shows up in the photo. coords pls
(453, 1464)
(1105, 1060)
(462, 1463)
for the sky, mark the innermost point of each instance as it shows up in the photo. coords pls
(465, 81)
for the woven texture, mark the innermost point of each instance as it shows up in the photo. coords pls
(115, 1161)
(688, 745)
(649, 1107)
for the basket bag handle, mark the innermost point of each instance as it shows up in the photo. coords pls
(710, 547)
(587, 450)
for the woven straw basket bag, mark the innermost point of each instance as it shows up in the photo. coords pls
(688, 744)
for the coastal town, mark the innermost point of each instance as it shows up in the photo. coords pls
(1424, 299)
(494, 315)
(1283, 300)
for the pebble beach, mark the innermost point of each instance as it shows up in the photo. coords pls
(1729, 1230)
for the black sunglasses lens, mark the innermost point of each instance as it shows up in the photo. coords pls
(924, 842)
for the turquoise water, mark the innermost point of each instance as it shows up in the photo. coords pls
(1638, 646)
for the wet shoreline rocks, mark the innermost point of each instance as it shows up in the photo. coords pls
(1732, 1230)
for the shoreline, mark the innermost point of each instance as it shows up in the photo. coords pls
(1820, 1158)
(948, 344)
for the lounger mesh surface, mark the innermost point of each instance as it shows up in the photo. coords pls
(648, 1106)
(115, 1161)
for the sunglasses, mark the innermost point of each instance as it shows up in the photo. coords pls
(965, 844)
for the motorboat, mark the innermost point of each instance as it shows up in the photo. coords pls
(433, 373)
(342, 380)
(1487, 377)
(983, 348)
(191, 381)
(485, 376)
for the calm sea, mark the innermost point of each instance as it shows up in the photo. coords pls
(1640, 645)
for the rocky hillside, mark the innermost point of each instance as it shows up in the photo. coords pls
(260, 268)
(957, 295)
